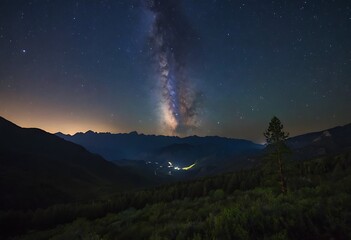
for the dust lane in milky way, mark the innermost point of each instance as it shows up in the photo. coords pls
(171, 38)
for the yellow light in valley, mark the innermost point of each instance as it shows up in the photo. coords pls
(189, 167)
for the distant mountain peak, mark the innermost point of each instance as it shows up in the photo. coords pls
(61, 134)
(326, 134)
(90, 132)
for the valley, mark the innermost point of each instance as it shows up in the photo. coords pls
(55, 189)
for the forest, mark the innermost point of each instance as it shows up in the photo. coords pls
(247, 204)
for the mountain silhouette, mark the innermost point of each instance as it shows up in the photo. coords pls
(210, 154)
(160, 148)
(327, 142)
(38, 169)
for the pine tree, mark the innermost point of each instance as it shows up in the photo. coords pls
(275, 137)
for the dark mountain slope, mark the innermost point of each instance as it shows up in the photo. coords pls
(38, 169)
(328, 142)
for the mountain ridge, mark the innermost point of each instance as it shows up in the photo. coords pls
(100, 142)
(150, 135)
(212, 154)
(38, 169)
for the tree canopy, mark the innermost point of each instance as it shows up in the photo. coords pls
(275, 134)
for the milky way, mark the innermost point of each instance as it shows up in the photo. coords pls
(171, 39)
(126, 65)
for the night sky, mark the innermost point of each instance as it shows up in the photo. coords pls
(209, 67)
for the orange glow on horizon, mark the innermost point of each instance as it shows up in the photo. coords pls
(66, 126)
(57, 119)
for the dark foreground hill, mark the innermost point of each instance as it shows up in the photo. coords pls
(239, 205)
(38, 169)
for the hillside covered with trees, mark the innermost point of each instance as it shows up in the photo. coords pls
(281, 197)
(241, 205)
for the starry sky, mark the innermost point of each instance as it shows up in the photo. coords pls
(79, 65)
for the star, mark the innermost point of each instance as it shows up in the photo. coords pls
(233, 69)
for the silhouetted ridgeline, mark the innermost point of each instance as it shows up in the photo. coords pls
(38, 169)
(149, 147)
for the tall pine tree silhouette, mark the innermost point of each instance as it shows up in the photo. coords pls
(275, 137)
